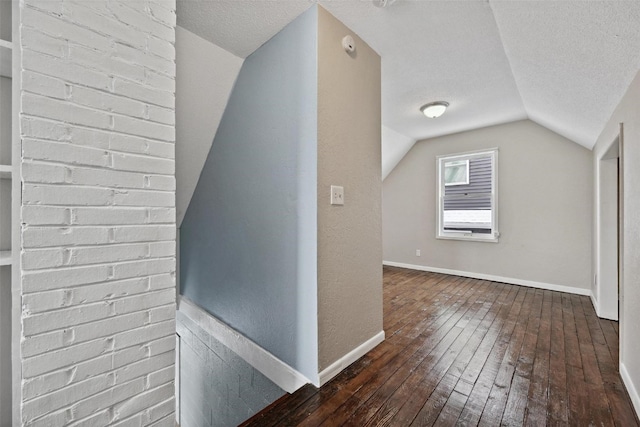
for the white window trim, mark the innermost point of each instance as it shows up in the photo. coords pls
(451, 184)
(461, 235)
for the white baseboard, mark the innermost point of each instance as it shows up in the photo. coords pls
(283, 375)
(631, 389)
(603, 314)
(594, 303)
(336, 367)
(608, 316)
(481, 276)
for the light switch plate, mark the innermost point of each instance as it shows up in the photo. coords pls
(337, 195)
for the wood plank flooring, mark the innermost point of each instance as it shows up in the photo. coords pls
(467, 352)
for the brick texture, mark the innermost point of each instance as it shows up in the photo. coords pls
(217, 387)
(98, 218)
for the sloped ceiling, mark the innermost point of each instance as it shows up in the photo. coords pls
(394, 147)
(572, 60)
(563, 64)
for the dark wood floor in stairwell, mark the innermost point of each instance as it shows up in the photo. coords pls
(468, 352)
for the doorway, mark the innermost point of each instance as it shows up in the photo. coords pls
(607, 279)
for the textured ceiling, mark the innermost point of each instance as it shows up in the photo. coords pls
(563, 64)
(572, 60)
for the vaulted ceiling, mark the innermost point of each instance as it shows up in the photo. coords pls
(562, 64)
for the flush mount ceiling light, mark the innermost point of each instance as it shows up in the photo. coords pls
(434, 109)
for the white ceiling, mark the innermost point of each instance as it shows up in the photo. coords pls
(563, 64)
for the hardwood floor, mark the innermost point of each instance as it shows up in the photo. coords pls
(467, 352)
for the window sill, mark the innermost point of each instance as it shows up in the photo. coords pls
(472, 238)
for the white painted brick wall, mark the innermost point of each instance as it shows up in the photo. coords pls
(98, 216)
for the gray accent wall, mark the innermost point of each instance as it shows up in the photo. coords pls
(545, 185)
(249, 236)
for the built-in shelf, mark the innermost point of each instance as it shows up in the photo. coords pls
(5, 58)
(5, 258)
(5, 172)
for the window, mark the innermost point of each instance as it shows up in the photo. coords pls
(456, 172)
(468, 196)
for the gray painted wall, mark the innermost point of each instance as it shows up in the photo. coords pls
(544, 206)
(248, 239)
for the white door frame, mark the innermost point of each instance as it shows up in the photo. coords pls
(606, 292)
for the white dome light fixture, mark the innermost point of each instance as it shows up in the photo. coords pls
(434, 109)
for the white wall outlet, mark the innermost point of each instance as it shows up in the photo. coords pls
(417, 252)
(337, 195)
